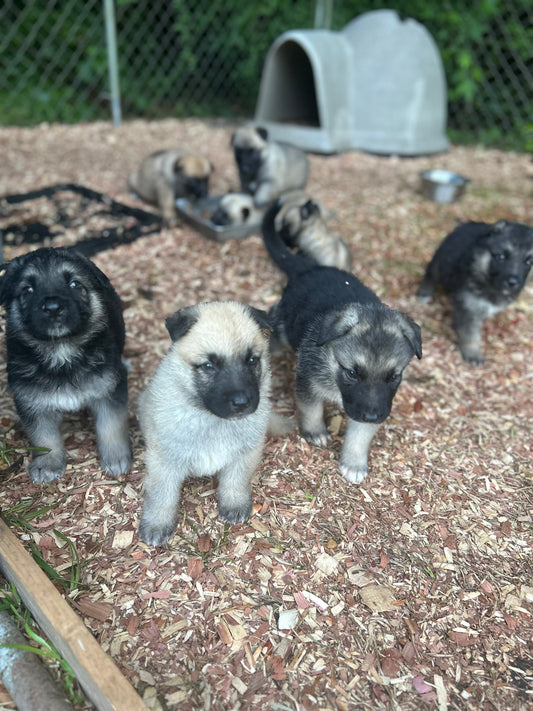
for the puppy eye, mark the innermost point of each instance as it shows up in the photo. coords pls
(74, 284)
(253, 360)
(28, 289)
(352, 374)
(207, 367)
(500, 256)
(393, 377)
(529, 260)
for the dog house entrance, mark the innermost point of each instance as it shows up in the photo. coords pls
(292, 96)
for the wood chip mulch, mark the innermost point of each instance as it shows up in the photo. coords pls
(412, 590)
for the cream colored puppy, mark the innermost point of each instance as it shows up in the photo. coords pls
(301, 223)
(166, 175)
(206, 412)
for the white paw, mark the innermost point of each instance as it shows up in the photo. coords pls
(353, 475)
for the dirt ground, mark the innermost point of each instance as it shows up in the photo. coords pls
(412, 590)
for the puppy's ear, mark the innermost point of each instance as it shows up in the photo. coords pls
(337, 324)
(245, 213)
(499, 226)
(9, 277)
(261, 318)
(180, 322)
(413, 333)
(261, 131)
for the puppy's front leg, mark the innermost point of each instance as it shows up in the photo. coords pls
(310, 414)
(354, 456)
(235, 488)
(162, 487)
(467, 325)
(166, 201)
(112, 433)
(44, 432)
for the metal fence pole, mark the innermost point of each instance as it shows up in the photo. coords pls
(112, 58)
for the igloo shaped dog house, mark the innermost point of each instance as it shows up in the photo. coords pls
(378, 85)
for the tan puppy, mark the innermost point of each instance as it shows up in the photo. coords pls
(301, 223)
(237, 209)
(166, 175)
(206, 412)
(267, 168)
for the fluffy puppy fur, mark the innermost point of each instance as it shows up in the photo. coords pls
(483, 267)
(206, 412)
(267, 168)
(65, 336)
(236, 209)
(302, 225)
(351, 348)
(164, 176)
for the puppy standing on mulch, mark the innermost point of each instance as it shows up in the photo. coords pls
(267, 168)
(206, 412)
(65, 336)
(483, 267)
(301, 223)
(351, 348)
(166, 175)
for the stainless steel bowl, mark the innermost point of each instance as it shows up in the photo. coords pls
(442, 185)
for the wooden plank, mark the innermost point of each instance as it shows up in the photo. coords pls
(98, 675)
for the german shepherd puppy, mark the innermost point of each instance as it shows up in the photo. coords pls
(65, 335)
(302, 225)
(166, 175)
(206, 412)
(267, 168)
(351, 348)
(236, 209)
(483, 267)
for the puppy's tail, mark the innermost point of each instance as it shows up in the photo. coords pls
(281, 255)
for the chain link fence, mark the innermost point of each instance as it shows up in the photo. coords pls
(205, 58)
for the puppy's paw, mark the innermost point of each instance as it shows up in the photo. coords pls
(473, 358)
(117, 463)
(320, 439)
(425, 293)
(47, 467)
(354, 475)
(155, 534)
(235, 514)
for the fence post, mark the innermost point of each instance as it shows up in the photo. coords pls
(112, 58)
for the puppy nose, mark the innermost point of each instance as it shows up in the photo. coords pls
(239, 402)
(511, 280)
(51, 306)
(370, 416)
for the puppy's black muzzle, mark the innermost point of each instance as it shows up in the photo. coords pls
(52, 307)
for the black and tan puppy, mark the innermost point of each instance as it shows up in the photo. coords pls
(301, 223)
(65, 336)
(166, 175)
(267, 168)
(236, 209)
(351, 348)
(483, 267)
(206, 412)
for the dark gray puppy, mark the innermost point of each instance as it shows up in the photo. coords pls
(65, 336)
(483, 267)
(352, 349)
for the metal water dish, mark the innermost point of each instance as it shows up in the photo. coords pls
(442, 185)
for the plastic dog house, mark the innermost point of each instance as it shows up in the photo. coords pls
(378, 85)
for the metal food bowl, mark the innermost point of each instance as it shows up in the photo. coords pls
(442, 185)
(198, 215)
